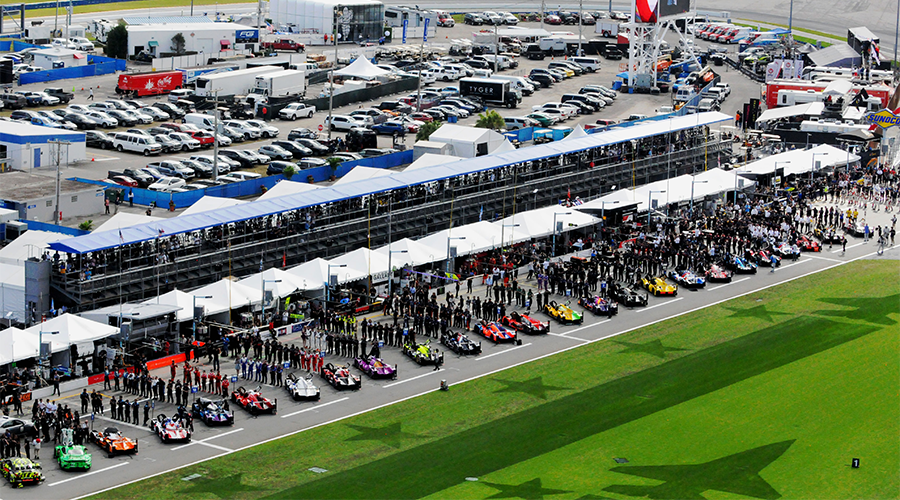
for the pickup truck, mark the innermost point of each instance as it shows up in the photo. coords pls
(284, 45)
(63, 96)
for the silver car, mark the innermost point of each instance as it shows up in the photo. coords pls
(185, 142)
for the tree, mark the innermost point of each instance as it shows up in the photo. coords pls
(490, 119)
(288, 172)
(179, 42)
(86, 225)
(426, 130)
(117, 42)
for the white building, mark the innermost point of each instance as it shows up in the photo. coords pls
(26, 146)
(358, 20)
(468, 142)
(59, 57)
(206, 38)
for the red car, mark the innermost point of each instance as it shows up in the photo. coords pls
(524, 324)
(553, 19)
(808, 244)
(125, 181)
(718, 274)
(494, 331)
(765, 258)
(421, 117)
(206, 139)
(169, 429)
(253, 401)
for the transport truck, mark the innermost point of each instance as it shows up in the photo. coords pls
(490, 91)
(282, 83)
(238, 82)
(149, 83)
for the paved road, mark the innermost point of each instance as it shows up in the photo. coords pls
(155, 458)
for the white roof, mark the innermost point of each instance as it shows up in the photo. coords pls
(430, 160)
(812, 108)
(27, 129)
(450, 132)
(539, 223)
(360, 261)
(177, 298)
(838, 88)
(124, 219)
(72, 330)
(16, 345)
(286, 187)
(281, 283)
(30, 244)
(226, 294)
(315, 273)
(12, 275)
(800, 161)
(504, 147)
(415, 253)
(577, 133)
(362, 173)
(363, 69)
(208, 203)
(468, 239)
(188, 27)
(57, 51)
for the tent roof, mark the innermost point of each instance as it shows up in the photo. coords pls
(361, 173)
(30, 244)
(363, 69)
(226, 294)
(451, 132)
(504, 147)
(799, 161)
(280, 282)
(838, 87)
(577, 133)
(810, 109)
(468, 239)
(415, 253)
(12, 275)
(180, 299)
(430, 160)
(72, 330)
(840, 54)
(123, 220)
(16, 345)
(315, 273)
(361, 260)
(208, 203)
(285, 187)
(539, 222)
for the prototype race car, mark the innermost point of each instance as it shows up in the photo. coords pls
(599, 305)
(169, 429)
(375, 367)
(563, 313)
(494, 331)
(718, 274)
(212, 411)
(423, 354)
(827, 235)
(340, 377)
(302, 388)
(808, 244)
(71, 456)
(253, 401)
(740, 265)
(525, 324)
(460, 344)
(687, 279)
(658, 286)
(764, 258)
(627, 295)
(111, 440)
(21, 471)
(787, 251)
(856, 228)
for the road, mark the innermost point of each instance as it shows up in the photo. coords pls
(293, 418)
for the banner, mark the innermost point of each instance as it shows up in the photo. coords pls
(405, 27)
(425, 33)
(772, 70)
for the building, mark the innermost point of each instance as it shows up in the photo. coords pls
(357, 21)
(395, 15)
(59, 57)
(205, 38)
(34, 196)
(27, 146)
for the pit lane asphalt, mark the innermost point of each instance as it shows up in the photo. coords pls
(295, 417)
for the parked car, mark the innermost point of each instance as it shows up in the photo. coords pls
(296, 110)
(167, 184)
(96, 139)
(295, 148)
(275, 152)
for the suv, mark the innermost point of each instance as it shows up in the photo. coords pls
(473, 19)
(12, 101)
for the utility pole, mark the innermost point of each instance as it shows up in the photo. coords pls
(422, 66)
(55, 20)
(216, 135)
(59, 144)
(337, 11)
(580, 24)
(259, 19)
(541, 13)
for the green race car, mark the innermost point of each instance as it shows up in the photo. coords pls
(423, 354)
(73, 457)
(21, 471)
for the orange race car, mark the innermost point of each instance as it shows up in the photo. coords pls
(111, 440)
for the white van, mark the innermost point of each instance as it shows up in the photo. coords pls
(242, 176)
(177, 94)
(591, 63)
(517, 83)
(685, 93)
(203, 122)
(124, 141)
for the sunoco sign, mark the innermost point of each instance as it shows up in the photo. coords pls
(884, 118)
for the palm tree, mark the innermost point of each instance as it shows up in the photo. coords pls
(490, 119)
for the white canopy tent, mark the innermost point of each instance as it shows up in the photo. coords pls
(280, 283)
(72, 330)
(808, 109)
(208, 203)
(31, 243)
(361, 260)
(123, 220)
(800, 161)
(407, 252)
(577, 133)
(430, 160)
(539, 222)
(315, 273)
(179, 298)
(286, 187)
(467, 239)
(362, 173)
(363, 69)
(226, 294)
(12, 290)
(16, 345)
(505, 147)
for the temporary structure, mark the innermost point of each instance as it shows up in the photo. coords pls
(67, 329)
(226, 294)
(178, 298)
(363, 69)
(362, 173)
(285, 188)
(208, 203)
(16, 345)
(407, 252)
(281, 283)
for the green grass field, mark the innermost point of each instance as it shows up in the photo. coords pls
(766, 396)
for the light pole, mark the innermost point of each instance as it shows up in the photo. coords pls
(328, 285)
(555, 229)
(580, 24)
(693, 181)
(503, 234)
(391, 270)
(449, 267)
(535, 197)
(194, 315)
(775, 173)
(263, 302)
(603, 210)
(337, 12)
(650, 208)
(41, 333)
(811, 172)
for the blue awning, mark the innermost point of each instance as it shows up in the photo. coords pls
(188, 223)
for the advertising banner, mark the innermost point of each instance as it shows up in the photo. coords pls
(425, 33)
(772, 70)
(405, 27)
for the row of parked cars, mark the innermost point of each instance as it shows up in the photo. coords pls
(490, 17)
(589, 99)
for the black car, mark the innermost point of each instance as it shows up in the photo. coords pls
(478, 64)
(23, 115)
(473, 19)
(200, 169)
(627, 295)
(17, 427)
(317, 148)
(81, 121)
(436, 114)
(171, 109)
(295, 148)
(12, 101)
(395, 106)
(544, 80)
(122, 118)
(96, 139)
(239, 156)
(460, 344)
(277, 167)
(302, 133)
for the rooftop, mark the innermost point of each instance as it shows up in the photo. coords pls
(22, 186)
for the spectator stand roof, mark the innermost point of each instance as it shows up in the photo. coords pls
(261, 208)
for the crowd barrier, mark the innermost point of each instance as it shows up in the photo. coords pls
(53, 228)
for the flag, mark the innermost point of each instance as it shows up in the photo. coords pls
(874, 53)
(52, 307)
(568, 194)
(121, 238)
(161, 232)
(284, 259)
(481, 213)
(260, 264)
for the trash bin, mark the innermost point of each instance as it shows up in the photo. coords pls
(452, 119)
(616, 85)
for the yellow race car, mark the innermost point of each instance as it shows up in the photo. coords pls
(658, 286)
(563, 313)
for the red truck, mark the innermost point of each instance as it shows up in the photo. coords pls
(150, 83)
(284, 45)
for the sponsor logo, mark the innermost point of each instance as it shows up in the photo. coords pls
(883, 118)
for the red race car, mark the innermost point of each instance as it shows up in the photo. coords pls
(169, 429)
(494, 331)
(253, 401)
(808, 244)
(524, 324)
(718, 274)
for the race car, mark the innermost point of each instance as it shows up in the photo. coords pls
(253, 401)
(460, 344)
(787, 251)
(340, 377)
(687, 279)
(827, 235)
(111, 440)
(494, 331)
(658, 286)
(169, 429)
(21, 471)
(627, 295)
(764, 258)
(423, 354)
(808, 244)
(71, 456)
(718, 274)
(212, 411)
(563, 313)
(525, 324)
(856, 228)
(599, 305)
(375, 367)
(740, 265)
(302, 388)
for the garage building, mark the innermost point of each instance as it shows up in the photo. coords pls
(59, 57)
(26, 146)
(358, 20)
(206, 38)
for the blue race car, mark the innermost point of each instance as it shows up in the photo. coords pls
(213, 411)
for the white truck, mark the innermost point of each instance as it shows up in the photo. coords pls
(282, 83)
(237, 82)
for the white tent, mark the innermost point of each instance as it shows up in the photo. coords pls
(16, 345)
(408, 252)
(179, 298)
(577, 133)
(800, 161)
(361, 260)
(468, 142)
(363, 69)
(430, 160)
(362, 173)
(30, 244)
(468, 239)
(286, 187)
(125, 219)
(315, 273)
(208, 203)
(72, 330)
(12, 290)
(281, 283)
(539, 222)
(226, 294)
(505, 147)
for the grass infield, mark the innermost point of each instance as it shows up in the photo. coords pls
(766, 396)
